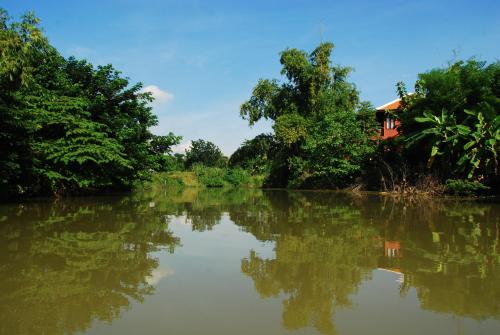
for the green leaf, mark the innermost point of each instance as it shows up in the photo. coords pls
(463, 160)
(463, 130)
(469, 144)
(470, 112)
(434, 151)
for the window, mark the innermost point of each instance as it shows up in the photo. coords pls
(389, 123)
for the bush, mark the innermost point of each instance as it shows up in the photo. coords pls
(174, 182)
(465, 187)
(220, 177)
(237, 177)
(209, 176)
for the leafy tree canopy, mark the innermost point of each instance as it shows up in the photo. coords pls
(204, 153)
(315, 121)
(255, 154)
(67, 126)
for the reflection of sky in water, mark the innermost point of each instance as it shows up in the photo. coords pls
(226, 240)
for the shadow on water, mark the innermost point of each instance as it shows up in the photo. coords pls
(95, 255)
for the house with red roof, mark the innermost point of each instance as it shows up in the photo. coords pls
(385, 117)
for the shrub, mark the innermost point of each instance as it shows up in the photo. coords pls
(209, 176)
(464, 187)
(237, 177)
(174, 181)
(220, 177)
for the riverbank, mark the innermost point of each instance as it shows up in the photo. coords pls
(204, 177)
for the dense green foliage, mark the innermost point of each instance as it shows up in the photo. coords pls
(67, 126)
(254, 155)
(205, 153)
(464, 187)
(451, 121)
(319, 139)
(325, 137)
(220, 177)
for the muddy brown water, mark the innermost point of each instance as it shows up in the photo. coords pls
(250, 262)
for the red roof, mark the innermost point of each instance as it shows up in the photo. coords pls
(390, 106)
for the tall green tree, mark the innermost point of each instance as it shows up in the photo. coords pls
(204, 153)
(67, 126)
(314, 114)
(19, 43)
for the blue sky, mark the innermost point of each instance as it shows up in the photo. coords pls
(202, 58)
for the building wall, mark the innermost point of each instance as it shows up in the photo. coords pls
(389, 133)
(386, 133)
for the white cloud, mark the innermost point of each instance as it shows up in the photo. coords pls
(159, 95)
(181, 148)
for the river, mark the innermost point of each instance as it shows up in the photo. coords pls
(188, 261)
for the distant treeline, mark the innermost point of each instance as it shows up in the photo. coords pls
(68, 127)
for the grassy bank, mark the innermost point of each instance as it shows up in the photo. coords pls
(207, 177)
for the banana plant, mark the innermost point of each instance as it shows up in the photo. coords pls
(441, 131)
(480, 151)
(475, 142)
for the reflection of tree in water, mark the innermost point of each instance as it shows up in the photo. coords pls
(323, 251)
(322, 254)
(94, 258)
(451, 255)
(326, 243)
(203, 208)
(65, 264)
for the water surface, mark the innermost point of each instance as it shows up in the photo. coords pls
(249, 262)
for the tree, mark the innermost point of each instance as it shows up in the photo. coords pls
(19, 42)
(67, 126)
(161, 147)
(320, 141)
(205, 153)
